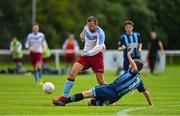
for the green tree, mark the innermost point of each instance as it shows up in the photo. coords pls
(59, 17)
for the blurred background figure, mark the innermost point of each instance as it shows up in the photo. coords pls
(70, 44)
(45, 65)
(130, 39)
(46, 57)
(36, 44)
(17, 55)
(153, 46)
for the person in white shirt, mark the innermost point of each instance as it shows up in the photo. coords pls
(36, 44)
(92, 55)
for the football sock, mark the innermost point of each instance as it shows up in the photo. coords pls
(40, 74)
(67, 87)
(75, 98)
(36, 76)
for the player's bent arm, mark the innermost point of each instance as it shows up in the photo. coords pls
(148, 97)
(99, 45)
(95, 50)
(27, 45)
(122, 48)
(64, 45)
(161, 46)
(140, 47)
(82, 40)
(82, 36)
(132, 63)
(44, 45)
(19, 48)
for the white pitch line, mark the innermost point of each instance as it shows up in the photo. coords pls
(126, 111)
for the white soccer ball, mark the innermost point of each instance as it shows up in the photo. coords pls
(48, 87)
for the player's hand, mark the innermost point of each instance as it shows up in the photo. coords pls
(121, 48)
(84, 54)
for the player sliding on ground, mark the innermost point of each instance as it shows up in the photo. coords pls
(110, 93)
(92, 55)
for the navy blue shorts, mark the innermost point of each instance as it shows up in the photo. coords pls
(104, 94)
(105, 91)
(103, 102)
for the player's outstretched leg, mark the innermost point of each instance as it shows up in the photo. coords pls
(38, 72)
(74, 98)
(69, 82)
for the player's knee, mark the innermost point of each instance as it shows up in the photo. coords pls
(72, 75)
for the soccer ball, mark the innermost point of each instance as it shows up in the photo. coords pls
(48, 87)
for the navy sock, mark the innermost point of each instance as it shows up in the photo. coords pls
(75, 98)
(40, 74)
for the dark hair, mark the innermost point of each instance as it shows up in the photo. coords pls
(139, 64)
(92, 18)
(129, 23)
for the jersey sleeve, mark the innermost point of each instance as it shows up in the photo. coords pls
(76, 45)
(44, 43)
(101, 38)
(27, 42)
(99, 45)
(19, 48)
(121, 42)
(64, 44)
(141, 87)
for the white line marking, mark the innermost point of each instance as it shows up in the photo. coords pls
(126, 111)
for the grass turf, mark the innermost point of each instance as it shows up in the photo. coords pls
(19, 95)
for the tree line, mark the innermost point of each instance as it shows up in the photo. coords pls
(59, 17)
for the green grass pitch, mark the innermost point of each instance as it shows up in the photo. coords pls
(19, 95)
